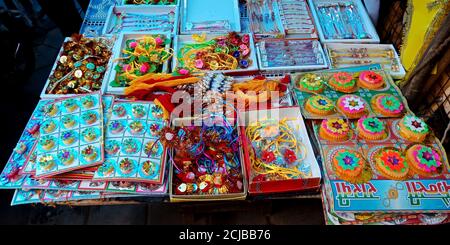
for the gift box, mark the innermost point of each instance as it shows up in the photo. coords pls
(201, 16)
(140, 12)
(342, 55)
(121, 44)
(174, 197)
(103, 72)
(341, 21)
(263, 186)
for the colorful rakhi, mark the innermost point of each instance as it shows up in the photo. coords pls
(81, 66)
(341, 21)
(276, 153)
(140, 57)
(221, 53)
(205, 159)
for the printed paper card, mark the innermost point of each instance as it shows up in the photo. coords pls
(103, 186)
(71, 136)
(132, 150)
(12, 175)
(57, 196)
(30, 167)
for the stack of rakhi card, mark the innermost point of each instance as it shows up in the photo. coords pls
(63, 148)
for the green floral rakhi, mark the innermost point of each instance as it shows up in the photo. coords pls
(391, 103)
(374, 125)
(347, 160)
(140, 57)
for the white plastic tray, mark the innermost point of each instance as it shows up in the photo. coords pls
(363, 14)
(293, 68)
(207, 10)
(331, 46)
(117, 52)
(294, 116)
(181, 40)
(140, 9)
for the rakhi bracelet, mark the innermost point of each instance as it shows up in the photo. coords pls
(284, 136)
(216, 25)
(56, 83)
(394, 66)
(388, 53)
(340, 23)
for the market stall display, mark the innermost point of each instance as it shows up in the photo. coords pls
(176, 101)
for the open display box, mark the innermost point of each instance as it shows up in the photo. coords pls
(120, 45)
(345, 51)
(205, 16)
(265, 20)
(380, 195)
(178, 122)
(297, 19)
(105, 73)
(110, 27)
(295, 121)
(390, 88)
(182, 40)
(364, 19)
(264, 55)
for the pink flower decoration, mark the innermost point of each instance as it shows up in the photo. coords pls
(246, 39)
(159, 40)
(126, 67)
(221, 43)
(245, 52)
(199, 64)
(144, 68)
(183, 71)
(133, 44)
(243, 47)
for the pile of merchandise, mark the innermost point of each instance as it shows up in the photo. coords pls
(197, 101)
